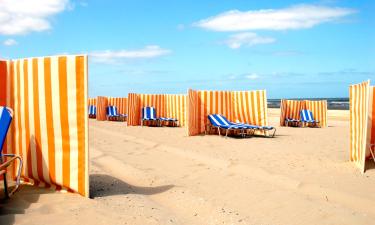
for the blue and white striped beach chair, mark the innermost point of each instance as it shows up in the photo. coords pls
(220, 122)
(308, 118)
(5, 120)
(149, 114)
(92, 111)
(112, 113)
(163, 120)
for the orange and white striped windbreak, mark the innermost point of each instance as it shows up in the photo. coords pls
(166, 105)
(92, 101)
(291, 109)
(120, 103)
(101, 108)
(362, 124)
(238, 106)
(50, 128)
(103, 102)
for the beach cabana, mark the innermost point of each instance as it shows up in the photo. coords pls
(167, 106)
(49, 130)
(362, 123)
(291, 109)
(248, 107)
(103, 102)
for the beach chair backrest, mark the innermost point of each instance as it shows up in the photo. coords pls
(218, 120)
(306, 115)
(112, 110)
(5, 120)
(148, 113)
(92, 110)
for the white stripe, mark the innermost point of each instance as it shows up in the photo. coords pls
(56, 118)
(22, 117)
(43, 120)
(72, 118)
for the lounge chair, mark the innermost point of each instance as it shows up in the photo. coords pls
(220, 122)
(260, 128)
(149, 114)
(291, 121)
(372, 151)
(5, 120)
(112, 114)
(308, 118)
(92, 111)
(168, 120)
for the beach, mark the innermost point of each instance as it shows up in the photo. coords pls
(152, 175)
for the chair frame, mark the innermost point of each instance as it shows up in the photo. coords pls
(4, 164)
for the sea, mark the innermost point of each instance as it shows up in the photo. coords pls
(333, 103)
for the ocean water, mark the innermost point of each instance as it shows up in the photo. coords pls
(333, 103)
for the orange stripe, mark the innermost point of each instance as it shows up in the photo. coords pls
(49, 120)
(38, 149)
(64, 114)
(81, 108)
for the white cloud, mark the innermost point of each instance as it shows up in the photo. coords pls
(10, 42)
(25, 16)
(150, 51)
(294, 17)
(252, 76)
(247, 39)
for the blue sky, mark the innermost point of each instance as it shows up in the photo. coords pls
(291, 48)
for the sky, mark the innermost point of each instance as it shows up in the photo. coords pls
(293, 49)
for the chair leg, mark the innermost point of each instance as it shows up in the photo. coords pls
(372, 152)
(6, 193)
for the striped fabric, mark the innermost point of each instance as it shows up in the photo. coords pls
(240, 106)
(92, 110)
(319, 111)
(134, 113)
(218, 120)
(176, 108)
(307, 116)
(120, 103)
(92, 101)
(50, 128)
(361, 123)
(101, 110)
(149, 113)
(112, 111)
(166, 106)
(371, 119)
(290, 109)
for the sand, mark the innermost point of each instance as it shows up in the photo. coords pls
(155, 175)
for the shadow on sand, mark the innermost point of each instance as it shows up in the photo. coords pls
(19, 202)
(102, 185)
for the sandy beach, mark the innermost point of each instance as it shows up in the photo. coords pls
(151, 175)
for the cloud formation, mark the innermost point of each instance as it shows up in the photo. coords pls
(110, 56)
(10, 42)
(291, 18)
(247, 39)
(25, 16)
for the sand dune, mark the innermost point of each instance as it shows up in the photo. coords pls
(161, 176)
